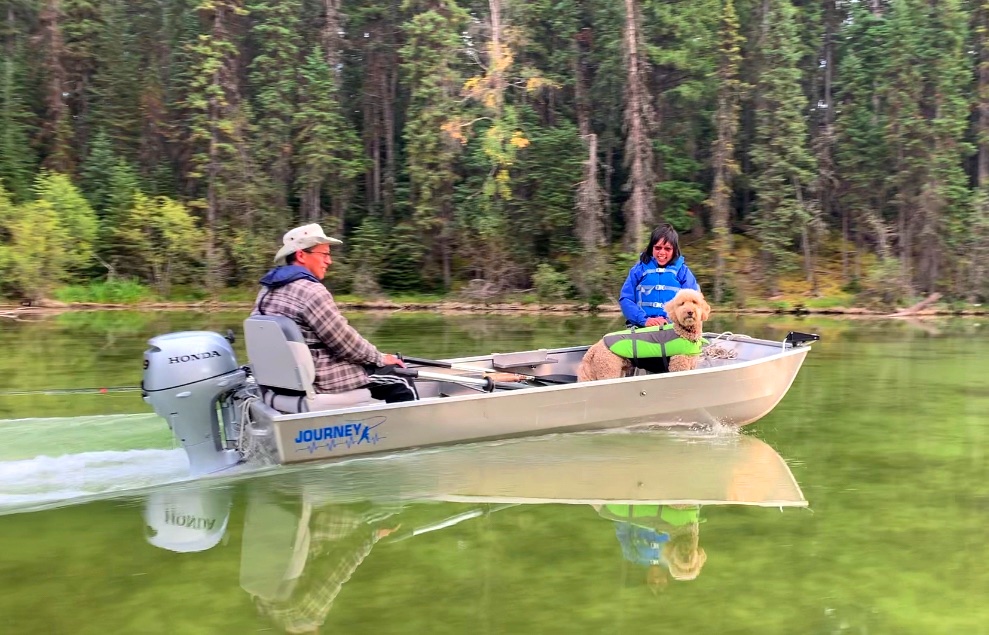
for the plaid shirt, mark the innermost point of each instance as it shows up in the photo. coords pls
(339, 352)
(340, 540)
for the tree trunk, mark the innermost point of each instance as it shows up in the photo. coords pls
(590, 197)
(982, 96)
(57, 132)
(388, 114)
(330, 36)
(723, 149)
(639, 122)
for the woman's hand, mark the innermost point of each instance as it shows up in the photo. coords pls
(656, 321)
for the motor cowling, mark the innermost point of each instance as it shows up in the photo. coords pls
(188, 376)
(178, 359)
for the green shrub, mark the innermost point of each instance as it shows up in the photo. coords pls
(110, 292)
(550, 284)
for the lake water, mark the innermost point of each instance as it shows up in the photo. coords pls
(878, 525)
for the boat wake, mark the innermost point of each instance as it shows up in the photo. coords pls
(38, 482)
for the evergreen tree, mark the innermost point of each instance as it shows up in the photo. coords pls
(723, 162)
(328, 156)
(640, 123)
(215, 128)
(115, 109)
(785, 166)
(98, 164)
(16, 155)
(432, 76)
(927, 80)
(275, 30)
(863, 156)
(57, 132)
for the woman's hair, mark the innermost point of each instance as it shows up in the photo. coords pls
(663, 232)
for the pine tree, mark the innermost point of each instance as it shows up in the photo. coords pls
(785, 166)
(380, 22)
(57, 132)
(925, 92)
(216, 123)
(328, 156)
(723, 162)
(433, 79)
(115, 108)
(863, 156)
(640, 122)
(16, 155)
(275, 30)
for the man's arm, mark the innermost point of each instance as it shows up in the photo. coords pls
(337, 334)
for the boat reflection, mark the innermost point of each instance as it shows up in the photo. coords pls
(307, 532)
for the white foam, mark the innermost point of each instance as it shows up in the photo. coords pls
(45, 479)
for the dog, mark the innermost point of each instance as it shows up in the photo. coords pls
(687, 311)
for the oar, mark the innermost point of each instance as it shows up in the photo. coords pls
(549, 379)
(486, 383)
(448, 522)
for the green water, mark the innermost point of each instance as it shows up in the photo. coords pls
(885, 430)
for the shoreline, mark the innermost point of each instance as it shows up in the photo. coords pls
(12, 311)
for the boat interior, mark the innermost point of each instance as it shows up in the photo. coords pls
(283, 368)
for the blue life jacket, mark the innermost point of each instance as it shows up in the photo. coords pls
(641, 545)
(657, 287)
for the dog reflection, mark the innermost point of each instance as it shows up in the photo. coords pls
(663, 538)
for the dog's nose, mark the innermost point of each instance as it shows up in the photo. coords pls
(690, 314)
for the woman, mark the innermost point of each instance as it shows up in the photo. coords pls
(655, 279)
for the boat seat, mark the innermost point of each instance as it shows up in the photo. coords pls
(505, 361)
(283, 368)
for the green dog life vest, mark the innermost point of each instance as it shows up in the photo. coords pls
(651, 342)
(645, 513)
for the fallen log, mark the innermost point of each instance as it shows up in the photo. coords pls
(913, 310)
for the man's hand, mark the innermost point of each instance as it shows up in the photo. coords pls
(391, 360)
(384, 531)
(656, 321)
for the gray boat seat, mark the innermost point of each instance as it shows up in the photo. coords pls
(283, 368)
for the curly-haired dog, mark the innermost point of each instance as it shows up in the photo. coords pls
(687, 311)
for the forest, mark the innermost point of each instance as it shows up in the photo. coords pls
(808, 146)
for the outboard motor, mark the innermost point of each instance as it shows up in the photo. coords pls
(188, 376)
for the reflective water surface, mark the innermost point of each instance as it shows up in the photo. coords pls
(857, 506)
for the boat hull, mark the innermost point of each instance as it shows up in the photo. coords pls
(734, 394)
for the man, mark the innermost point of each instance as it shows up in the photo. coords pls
(343, 359)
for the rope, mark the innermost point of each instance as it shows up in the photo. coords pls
(250, 446)
(717, 351)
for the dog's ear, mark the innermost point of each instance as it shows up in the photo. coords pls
(670, 306)
(705, 310)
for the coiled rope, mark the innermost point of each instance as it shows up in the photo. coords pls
(252, 447)
(717, 351)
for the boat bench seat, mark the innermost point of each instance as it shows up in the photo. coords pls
(505, 361)
(283, 368)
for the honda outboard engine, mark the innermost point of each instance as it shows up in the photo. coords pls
(188, 377)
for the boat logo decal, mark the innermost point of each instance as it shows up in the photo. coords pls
(181, 359)
(347, 434)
